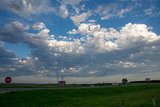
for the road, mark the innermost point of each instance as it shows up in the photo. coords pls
(4, 90)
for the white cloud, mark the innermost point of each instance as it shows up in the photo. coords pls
(77, 19)
(100, 51)
(98, 39)
(127, 64)
(63, 11)
(101, 37)
(124, 11)
(13, 32)
(71, 2)
(86, 29)
(27, 7)
(132, 35)
(152, 11)
(70, 7)
(129, 36)
(66, 47)
(44, 32)
(111, 10)
(38, 26)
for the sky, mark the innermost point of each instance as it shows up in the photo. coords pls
(86, 41)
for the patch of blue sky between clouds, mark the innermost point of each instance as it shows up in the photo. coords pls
(20, 49)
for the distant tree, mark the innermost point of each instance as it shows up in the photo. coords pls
(124, 81)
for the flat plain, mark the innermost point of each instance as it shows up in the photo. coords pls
(108, 96)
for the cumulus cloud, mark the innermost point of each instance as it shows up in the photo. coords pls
(85, 29)
(100, 51)
(66, 47)
(27, 7)
(129, 36)
(135, 34)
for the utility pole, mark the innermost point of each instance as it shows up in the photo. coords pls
(62, 78)
(57, 80)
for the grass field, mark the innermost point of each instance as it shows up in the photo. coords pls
(111, 96)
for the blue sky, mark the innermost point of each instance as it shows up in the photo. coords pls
(103, 39)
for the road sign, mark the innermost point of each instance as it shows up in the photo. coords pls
(8, 79)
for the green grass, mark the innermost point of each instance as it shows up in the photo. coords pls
(133, 96)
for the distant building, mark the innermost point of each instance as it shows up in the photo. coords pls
(62, 83)
(147, 79)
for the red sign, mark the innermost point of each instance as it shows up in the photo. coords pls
(62, 83)
(8, 79)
